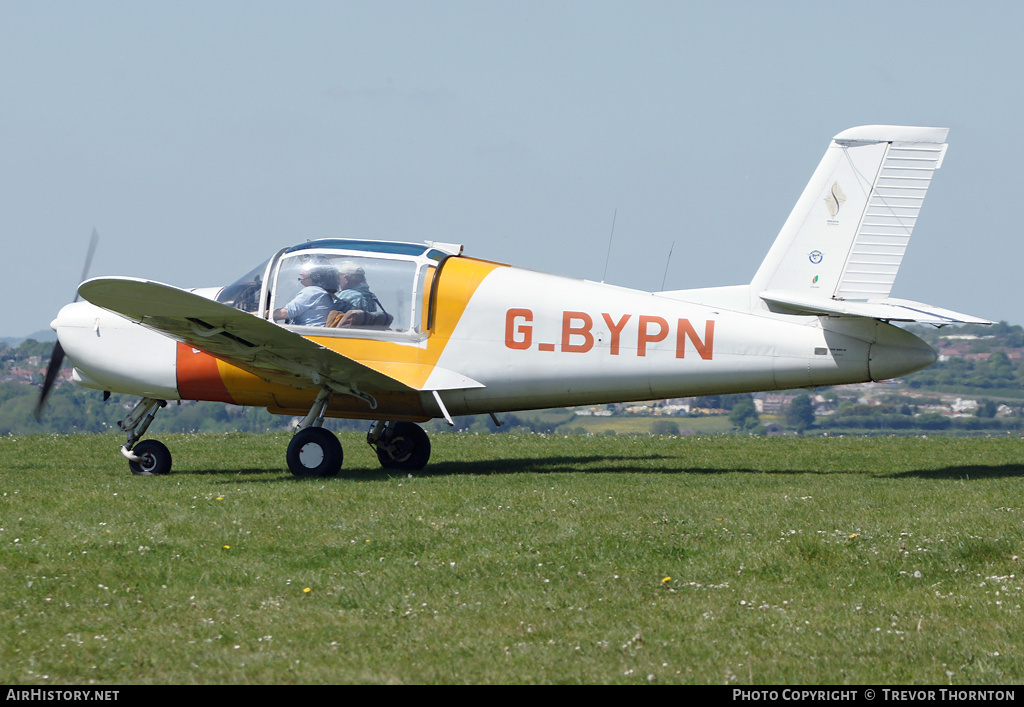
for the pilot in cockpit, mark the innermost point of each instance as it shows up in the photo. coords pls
(314, 302)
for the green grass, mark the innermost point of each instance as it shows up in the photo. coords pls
(516, 559)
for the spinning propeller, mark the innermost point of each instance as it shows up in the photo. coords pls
(57, 355)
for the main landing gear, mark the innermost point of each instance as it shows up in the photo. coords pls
(403, 446)
(313, 450)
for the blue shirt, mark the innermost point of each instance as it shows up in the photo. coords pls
(310, 307)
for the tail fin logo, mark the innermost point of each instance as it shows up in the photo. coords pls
(834, 200)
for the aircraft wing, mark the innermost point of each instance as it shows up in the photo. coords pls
(265, 349)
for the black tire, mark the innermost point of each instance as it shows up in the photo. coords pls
(314, 451)
(155, 458)
(408, 448)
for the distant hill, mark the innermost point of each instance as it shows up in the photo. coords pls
(41, 335)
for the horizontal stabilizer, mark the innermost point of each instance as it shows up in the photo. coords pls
(891, 309)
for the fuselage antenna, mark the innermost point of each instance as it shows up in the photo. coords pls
(609, 255)
(667, 261)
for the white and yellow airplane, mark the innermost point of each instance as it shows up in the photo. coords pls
(400, 333)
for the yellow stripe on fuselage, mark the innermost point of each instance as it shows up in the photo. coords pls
(412, 365)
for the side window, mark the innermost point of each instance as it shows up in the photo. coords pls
(350, 291)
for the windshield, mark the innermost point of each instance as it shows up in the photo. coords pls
(244, 293)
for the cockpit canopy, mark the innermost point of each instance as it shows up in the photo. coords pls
(343, 285)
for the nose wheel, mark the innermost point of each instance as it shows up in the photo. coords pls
(154, 459)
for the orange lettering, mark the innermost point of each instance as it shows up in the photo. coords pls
(644, 337)
(704, 348)
(514, 330)
(616, 330)
(568, 330)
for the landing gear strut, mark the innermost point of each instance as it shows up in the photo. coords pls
(313, 450)
(403, 446)
(147, 458)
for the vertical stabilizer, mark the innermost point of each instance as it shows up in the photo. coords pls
(846, 236)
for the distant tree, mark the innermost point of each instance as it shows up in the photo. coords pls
(708, 401)
(664, 427)
(800, 413)
(986, 408)
(933, 421)
(31, 347)
(744, 415)
(730, 401)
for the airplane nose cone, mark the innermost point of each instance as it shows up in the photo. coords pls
(68, 315)
(897, 353)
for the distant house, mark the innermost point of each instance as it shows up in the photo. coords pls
(772, 403)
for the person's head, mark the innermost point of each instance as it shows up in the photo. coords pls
(350, 274)
(322, 276)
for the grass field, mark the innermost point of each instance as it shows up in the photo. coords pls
(516, 559)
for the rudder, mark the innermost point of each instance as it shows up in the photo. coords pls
(846, 236)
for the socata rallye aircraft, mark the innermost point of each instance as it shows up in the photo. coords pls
(401, 333)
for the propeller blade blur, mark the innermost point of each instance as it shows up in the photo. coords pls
(93, 242)
(57, 355)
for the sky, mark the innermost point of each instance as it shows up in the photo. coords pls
(199, 138)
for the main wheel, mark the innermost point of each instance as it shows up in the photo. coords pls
(314, 451)
(407, 449)
(154, 458)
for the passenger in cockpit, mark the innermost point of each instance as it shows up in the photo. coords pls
(316, 298)
(355, 304)
(354, 292)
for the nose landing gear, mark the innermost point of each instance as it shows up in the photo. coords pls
(149, 457)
